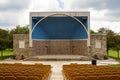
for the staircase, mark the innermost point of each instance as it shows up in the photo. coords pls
(58, 58)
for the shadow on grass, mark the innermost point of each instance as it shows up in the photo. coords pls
(5, 57)
(117, 59)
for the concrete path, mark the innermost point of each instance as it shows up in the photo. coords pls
(57, 65)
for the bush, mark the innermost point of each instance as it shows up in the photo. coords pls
(105, 57)
(14, 56)
(95, 57)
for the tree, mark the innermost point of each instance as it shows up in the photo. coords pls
(3, 34)
(110, 37)
(3, 40)
(20, 30)
(102, 30)
(17, 30)
(6, 37)
(92, 32)
(2, 46)
(117, 44)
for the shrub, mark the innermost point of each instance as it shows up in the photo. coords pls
(95, 57)
(14, 56)
(105, 57)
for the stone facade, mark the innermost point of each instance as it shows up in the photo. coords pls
(98, 45)
(59, 47)
(26, 51)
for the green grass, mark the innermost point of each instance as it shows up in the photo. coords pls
(7, 53)
(113, 54)
(115, 65)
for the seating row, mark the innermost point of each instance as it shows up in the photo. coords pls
(24, 72)
(86, 72)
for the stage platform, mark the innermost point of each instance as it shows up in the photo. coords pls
(58, 58)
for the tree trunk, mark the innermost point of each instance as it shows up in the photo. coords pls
(118, 53)
(107, 52)
(1, 53)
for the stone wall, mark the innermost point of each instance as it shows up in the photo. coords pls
(60, 47)
(98, 45)
(26, 51)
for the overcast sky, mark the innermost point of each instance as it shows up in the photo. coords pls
(104, 13)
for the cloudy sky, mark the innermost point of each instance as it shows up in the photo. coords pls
(104, 13)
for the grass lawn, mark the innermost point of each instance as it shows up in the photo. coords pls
(7, 53)
(116, 65)
(114, 55)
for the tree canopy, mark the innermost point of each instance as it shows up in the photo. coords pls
(6, 36)
(113, 39)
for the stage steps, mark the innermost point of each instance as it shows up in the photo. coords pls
(58, 58)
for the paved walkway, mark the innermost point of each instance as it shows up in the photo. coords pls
(57, 65)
